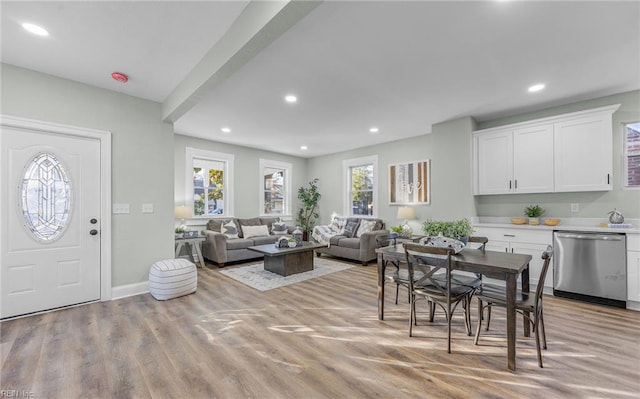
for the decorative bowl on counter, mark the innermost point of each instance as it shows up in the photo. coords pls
(518, 220)
(551, 222)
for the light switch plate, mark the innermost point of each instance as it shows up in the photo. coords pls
(121, 208)
(147, 208)
(575, 207)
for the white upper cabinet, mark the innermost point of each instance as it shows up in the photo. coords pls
(515, 160)
(583, 154)
(495, 162)
(570, 152)
(533, 159)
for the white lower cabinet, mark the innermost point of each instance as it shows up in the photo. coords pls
(521, 241)
(633, 267)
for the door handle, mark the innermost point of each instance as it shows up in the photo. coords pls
(93, 232)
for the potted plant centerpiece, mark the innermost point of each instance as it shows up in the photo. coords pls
(458, 229)
(397, 229)
(308, 213)
(534, 212)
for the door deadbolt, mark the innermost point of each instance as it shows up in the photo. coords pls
(93, 221)
(93, 232)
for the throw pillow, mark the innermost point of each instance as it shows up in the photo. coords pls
(351, 227)
(246, 222)
(337, 225)
(279, 228)
(366, 226)
(229, 229)
(255, 231)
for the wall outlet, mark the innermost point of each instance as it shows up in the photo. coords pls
(120, 208)
(575, 207)
(147, 208)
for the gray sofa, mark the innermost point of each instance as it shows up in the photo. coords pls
(220, 249)
(354, 245)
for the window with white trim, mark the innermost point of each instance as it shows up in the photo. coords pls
(209, 182)
(632, 154)
(275, 188)
(361, 191)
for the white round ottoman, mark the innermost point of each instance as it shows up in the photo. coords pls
(172, 278)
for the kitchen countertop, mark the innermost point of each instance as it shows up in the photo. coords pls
(569, 224)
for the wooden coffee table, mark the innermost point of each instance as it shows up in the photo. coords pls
(288, 261)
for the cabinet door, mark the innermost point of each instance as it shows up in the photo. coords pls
(633, 276)
(533, 159)
(535, 266)
(495, 162)
(583, 154)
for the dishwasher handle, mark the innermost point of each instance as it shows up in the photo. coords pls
(599, 237)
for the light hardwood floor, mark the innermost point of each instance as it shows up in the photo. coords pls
(316, 339)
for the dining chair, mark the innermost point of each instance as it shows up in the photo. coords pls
(398, 276)
(479, 240)
(529, 305)
(435, 263)
(472, 280)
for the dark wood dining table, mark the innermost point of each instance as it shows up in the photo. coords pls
(492, 264)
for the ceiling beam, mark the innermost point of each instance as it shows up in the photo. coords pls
(259, 24)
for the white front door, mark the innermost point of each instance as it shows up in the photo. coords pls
(50, 207)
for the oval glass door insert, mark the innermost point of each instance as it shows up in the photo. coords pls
(46, 197)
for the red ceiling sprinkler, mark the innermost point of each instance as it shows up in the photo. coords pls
(120, 77)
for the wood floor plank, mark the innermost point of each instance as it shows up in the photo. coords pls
(316, 339)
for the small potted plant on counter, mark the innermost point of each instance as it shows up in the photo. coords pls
(534, 212)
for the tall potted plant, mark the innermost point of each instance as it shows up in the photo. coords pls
(308, 213)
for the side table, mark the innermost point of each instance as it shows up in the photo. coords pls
(190, 243)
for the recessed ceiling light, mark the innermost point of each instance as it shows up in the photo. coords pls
(226, 130)
(536, 87)
(374, 130)
(290, 98)
(303, 147)
(35, 29)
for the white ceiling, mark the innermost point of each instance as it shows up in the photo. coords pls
(400, 66)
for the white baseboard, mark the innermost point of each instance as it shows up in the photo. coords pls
(123, 291)
(633, 305)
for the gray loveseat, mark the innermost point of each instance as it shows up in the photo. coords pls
(350, 238)
(220, 249)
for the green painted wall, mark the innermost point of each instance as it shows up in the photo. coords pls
(141, 147)
(592, 204)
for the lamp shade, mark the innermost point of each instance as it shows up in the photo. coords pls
(406, 212)
(183, 212)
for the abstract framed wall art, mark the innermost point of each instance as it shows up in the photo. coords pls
(409, 183)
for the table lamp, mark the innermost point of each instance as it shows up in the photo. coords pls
(182, 212)
(406, 213)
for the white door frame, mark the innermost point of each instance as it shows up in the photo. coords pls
(105, 184)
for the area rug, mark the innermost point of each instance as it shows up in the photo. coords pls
(256, 277)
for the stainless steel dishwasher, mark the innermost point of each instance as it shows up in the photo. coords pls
(591, 267)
